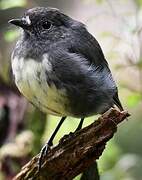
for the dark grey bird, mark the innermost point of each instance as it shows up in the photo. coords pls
(60, 67)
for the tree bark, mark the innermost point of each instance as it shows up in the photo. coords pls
(76, 151)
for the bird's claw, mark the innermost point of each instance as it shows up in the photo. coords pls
(42, 154)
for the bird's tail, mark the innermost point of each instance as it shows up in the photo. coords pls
(117, 102)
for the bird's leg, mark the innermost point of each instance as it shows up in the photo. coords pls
(71, 133)
(80, 124)
(47, 146)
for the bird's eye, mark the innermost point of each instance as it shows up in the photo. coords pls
(46, 25)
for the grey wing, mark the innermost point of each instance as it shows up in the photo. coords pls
(90, 89)
(86, 45)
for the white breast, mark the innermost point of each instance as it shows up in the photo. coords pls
(30, 78)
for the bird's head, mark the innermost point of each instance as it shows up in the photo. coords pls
(46, 23)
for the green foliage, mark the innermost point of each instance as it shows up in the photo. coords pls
(92, 1)
(5, 4)
(125, 168)
(109, 157)
(11, 35)
(139, 2)
(133, 99)
(2, 176)
(77, 177)
(139, 64)
(106, 34)
(129, 135)
(36, 123)
(99, 1)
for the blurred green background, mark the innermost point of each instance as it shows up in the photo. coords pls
(117, 25)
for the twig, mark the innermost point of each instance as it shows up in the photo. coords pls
(91, 173)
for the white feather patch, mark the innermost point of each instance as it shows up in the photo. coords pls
(46, 62)
(28, 20)
(35, 87)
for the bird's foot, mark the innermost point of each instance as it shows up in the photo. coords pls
(42, 154)
(65, 137)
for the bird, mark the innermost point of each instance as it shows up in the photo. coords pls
(61, 69)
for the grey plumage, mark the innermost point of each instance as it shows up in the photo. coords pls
(60, 67)
(78, 63)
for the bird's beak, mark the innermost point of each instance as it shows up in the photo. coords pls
(23, 23)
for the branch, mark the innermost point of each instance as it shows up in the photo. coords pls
(76, 151)
(91, 173)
